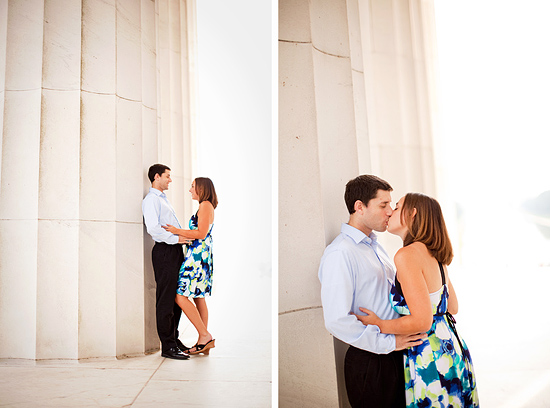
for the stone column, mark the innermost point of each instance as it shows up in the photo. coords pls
(150, 151)
(80, 129)
(20, 178)
(317, 156)
(58, 191)
(355, 97)
(174, 98)
(395, 60)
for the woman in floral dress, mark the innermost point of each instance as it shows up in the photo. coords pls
(439, 372)
(195, 279)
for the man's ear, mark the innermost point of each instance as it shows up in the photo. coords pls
(358, 206)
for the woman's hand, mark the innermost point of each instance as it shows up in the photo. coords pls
(370, 318)
(171, 228)
(183, 240)
(184, 235)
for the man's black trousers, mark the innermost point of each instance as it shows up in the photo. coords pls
(374, 380)
(167, 260)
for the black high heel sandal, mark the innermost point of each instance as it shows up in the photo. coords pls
(203, 348)
(183, 347)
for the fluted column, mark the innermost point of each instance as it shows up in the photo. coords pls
(173, 59)
(3, 44)
(58, 191)
(19, 193)
(395, 58)
(301, 232)
(81, 119)
(356, 96)
(98, 180)
(149, 152)
(129, 187)
(317, 156)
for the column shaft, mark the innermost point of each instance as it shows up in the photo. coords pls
(355, 97)
(58, 192)
(80, 121)
(20, 178)
(149, 155)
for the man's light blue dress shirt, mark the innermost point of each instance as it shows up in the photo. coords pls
(355, 272)
(157, 212)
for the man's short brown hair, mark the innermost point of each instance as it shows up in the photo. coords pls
(363, 188)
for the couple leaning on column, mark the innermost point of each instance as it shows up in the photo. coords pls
(181, 275)
(404, 350)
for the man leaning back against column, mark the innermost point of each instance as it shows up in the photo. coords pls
(355, 270)
(167, 257)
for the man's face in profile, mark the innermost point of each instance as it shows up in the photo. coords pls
(164, 180)
(378, 211)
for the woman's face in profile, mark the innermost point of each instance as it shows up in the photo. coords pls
(194, 195)
(394, 224)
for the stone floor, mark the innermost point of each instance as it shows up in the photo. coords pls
(232, 375)
(237, 373)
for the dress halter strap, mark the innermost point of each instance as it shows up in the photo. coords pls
(451, 320)
(442, 273)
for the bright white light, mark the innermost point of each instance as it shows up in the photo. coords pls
(234, 140)
(494, 64)
(234, 50)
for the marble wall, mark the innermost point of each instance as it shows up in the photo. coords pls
(91, 94)
(356, 96)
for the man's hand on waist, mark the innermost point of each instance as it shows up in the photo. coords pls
(404, 341)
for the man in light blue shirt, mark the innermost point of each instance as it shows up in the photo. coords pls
(355, 272)
(157, 211)
(167, 256)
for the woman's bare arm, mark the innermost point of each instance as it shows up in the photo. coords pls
(452, 302)
(408, 262)
(204, 215)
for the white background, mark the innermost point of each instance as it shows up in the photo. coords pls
(234, 148)
(494, 65)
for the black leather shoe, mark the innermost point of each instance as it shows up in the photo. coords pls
(175, 353)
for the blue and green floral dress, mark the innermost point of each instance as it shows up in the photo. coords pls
(195, 278)
(439, 372)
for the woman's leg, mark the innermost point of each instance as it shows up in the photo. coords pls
(194, 317)
(203, 310)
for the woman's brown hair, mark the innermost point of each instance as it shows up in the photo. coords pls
(206, 191)
(426, 226)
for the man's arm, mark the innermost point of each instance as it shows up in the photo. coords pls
(337, 289)
(151, 216)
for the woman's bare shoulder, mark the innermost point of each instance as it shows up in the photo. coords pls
(207, 205)
(413, 253)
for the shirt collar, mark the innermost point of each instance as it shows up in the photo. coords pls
(156, 192)
(357, 235)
